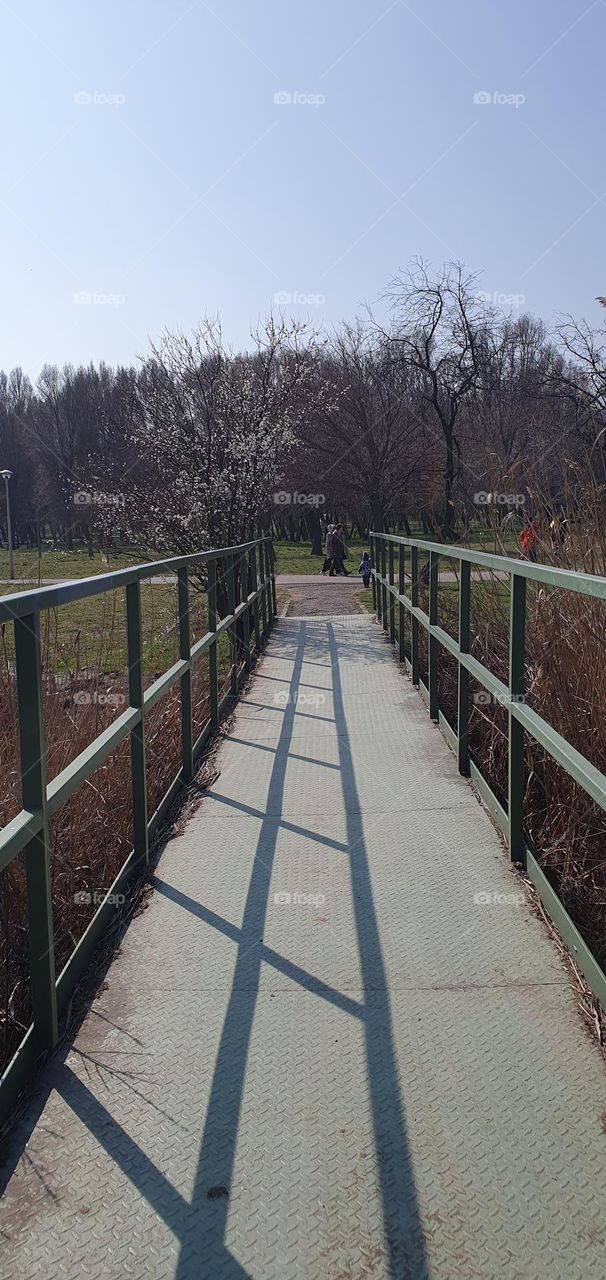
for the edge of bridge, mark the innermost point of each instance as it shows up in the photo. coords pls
(337, 1043)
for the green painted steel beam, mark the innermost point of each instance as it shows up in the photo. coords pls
(462, 672)
(510, 695)
(517, 633)
(17, 833)
(187, 742)
(434, 561)
(36, 852)
(134, 647)
(70, 778)
(213, 679)
(582, 583)
(27, 831)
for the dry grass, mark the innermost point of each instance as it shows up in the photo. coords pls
(566, 685)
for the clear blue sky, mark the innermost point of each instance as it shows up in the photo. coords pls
(194, 191)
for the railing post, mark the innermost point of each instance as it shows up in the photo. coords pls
(379, 589)
(137, 733)
(255, 587)
(384, 614)
(433, 648)
(274, 602)
(392, 603)
(401, 645)
(263, 576)
(373, 565)
(517, 634)
(36, 852)
(187, 742)
(213, 678)
(463, 674)
(245, 588)
(414, 622)
(231, 562)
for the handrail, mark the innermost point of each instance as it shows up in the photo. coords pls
(15, 606)
(248, 573)
(389, 593)
(588, 584)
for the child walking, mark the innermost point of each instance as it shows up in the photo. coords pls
(365, 569)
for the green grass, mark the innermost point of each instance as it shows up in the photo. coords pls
(56, 563)
(291, 557)
(296, 557)
(91, 633)
(365, 599)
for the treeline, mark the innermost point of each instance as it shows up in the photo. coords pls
(450, 413)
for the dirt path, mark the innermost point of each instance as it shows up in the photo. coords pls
(321, 598)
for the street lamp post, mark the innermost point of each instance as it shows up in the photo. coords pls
(6, 475)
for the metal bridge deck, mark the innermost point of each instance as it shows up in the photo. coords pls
(337, 1045)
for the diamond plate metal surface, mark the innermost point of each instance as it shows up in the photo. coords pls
(336, 1045)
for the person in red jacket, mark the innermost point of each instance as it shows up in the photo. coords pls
(528, 539)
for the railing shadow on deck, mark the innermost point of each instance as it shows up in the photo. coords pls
(200, 1225)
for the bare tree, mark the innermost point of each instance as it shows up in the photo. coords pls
(365, 446)
(439, 335)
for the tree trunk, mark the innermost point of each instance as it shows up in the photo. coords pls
(449, 511)
(377, 514)
(427, 523)
(314, 530)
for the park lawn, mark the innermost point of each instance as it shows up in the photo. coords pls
(291, 557)
(90, 634)
(296, 557)
(57, 563)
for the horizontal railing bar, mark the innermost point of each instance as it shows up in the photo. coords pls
(17, 833)
(22, 1065)
(82, 953)
(27, 824)
(579, 768)
(202, 645)
(588, 584)
(589, 778)
(164, 682)
(400, 596)
(203, 737)
(80, 957)
(25, 602)
(483, 676)
(447, 642)
(583, 958)
(224, 624)
(448, 731)
(59, 790)
(575, 764)
(489, 800)
(476, 669)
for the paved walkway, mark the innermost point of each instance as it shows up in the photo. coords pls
(337, 1045)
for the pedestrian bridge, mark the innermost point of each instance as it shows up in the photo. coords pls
(339, 1043)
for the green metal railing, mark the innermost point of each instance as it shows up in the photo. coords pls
(245, 574)
(391, 576)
